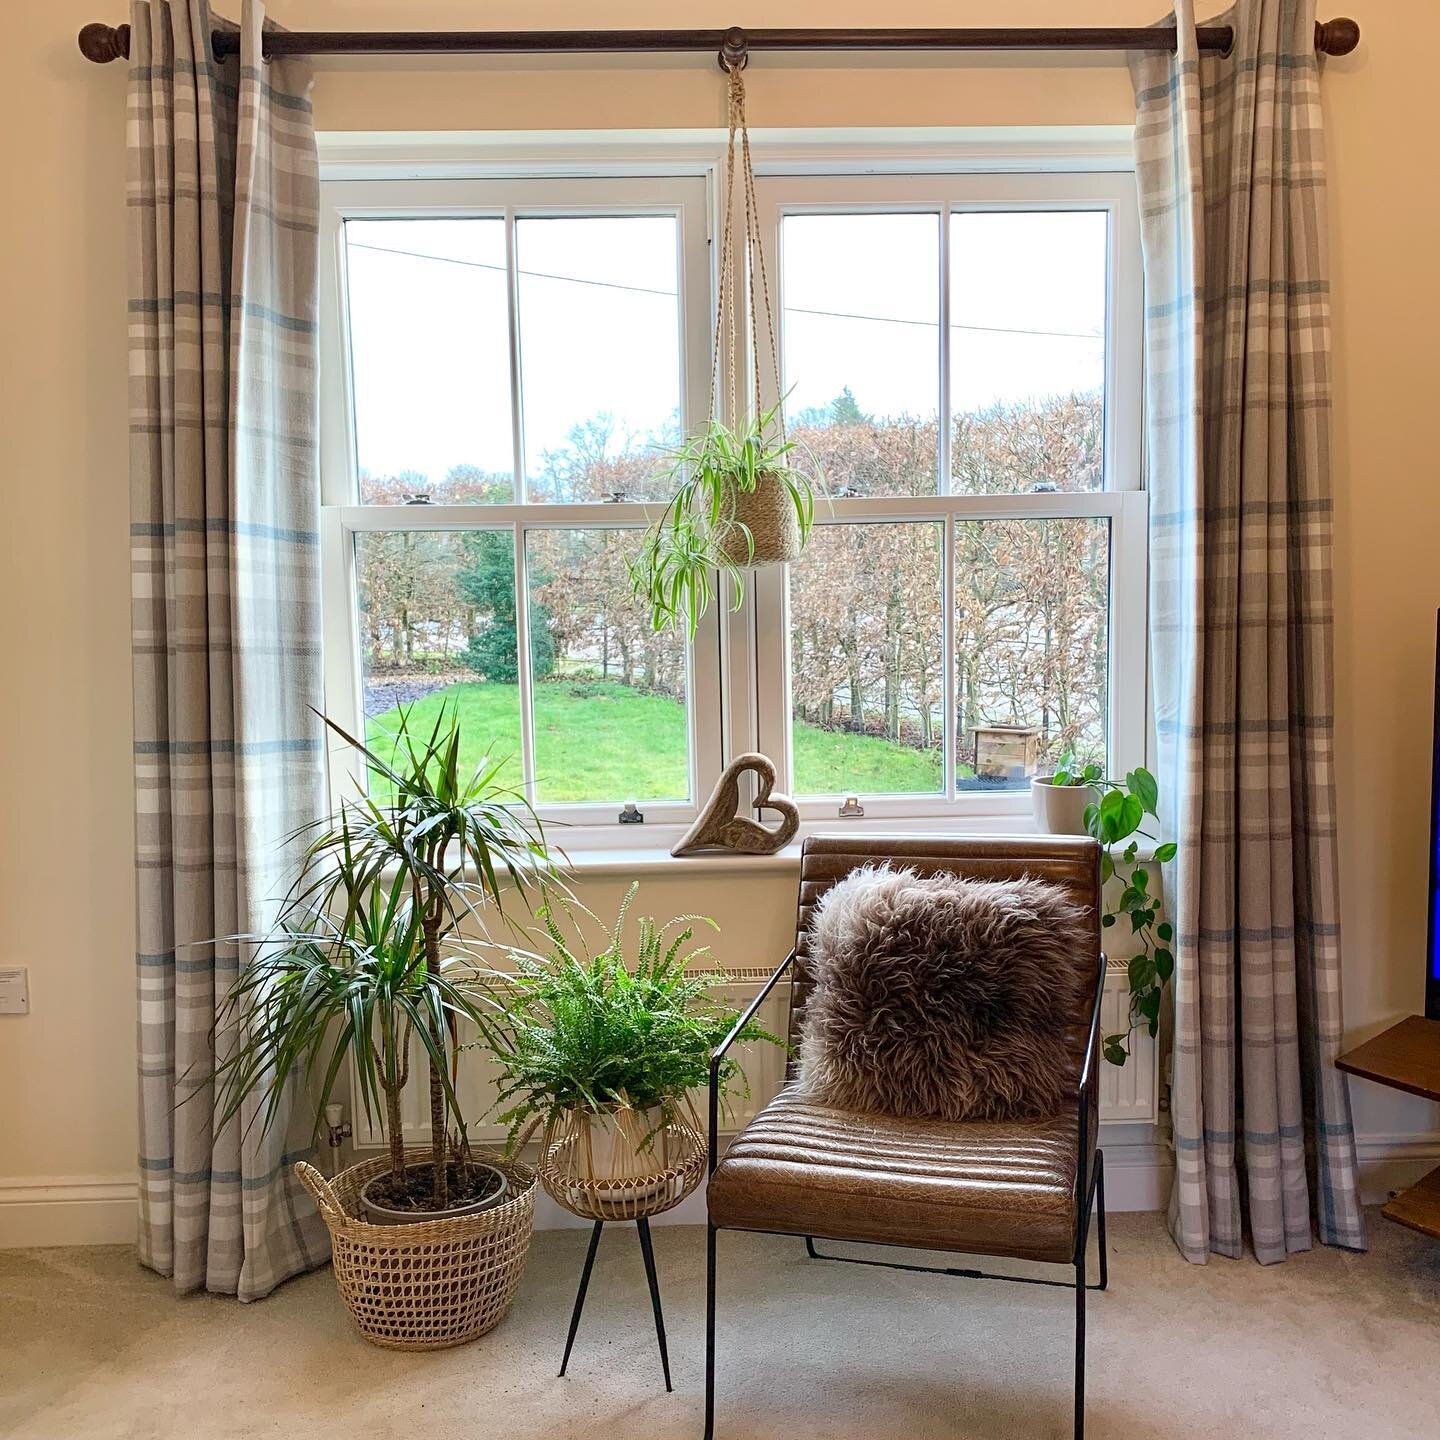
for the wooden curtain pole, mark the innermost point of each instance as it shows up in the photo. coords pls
(103, 43)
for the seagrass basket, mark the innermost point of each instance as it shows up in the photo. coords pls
(645, 1182)
(433, 1284)
(769, 513)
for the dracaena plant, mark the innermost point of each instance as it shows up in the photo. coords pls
(1118, 821)
(368, 952)
(697, 533)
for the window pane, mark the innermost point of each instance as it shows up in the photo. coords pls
(609, 694)
(866, 666)
(430, 358)
(437, 628)
(1027, 350)
(861, 331)
(1032, 605)
(600, 359)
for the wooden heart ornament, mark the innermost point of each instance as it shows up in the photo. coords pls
(720, 826)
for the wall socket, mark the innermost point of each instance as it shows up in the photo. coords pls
(14, 990)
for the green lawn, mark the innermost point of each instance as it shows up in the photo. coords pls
(598, 741)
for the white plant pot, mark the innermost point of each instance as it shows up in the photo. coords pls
(611, 1145)
(1060, 809)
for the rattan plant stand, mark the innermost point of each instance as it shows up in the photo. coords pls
(435, 1283)
(679, 1151)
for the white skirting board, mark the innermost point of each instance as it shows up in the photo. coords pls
(68, 1210)
(100, 1209)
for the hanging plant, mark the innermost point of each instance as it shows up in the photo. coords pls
(743, 498)
(744, 494)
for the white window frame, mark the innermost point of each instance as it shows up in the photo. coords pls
(1123, 502)
(739, 667)
(344, 519)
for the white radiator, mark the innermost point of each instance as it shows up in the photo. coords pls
(1127, 1095)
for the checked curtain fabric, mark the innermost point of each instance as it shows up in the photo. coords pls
(222, 203)
(1230, 168)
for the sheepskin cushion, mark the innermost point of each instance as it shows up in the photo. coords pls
(943, 998)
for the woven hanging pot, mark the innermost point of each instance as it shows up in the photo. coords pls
(600, 1168)
(435, 1283)
(769, 513)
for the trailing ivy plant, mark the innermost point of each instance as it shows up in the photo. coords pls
(1067, 772)
(1118, 823)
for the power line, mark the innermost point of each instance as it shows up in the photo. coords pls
(486, 265)
(671, 294)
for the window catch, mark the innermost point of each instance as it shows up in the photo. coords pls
(418, 498)
(632, 814)
(852, 806)
(616, 497)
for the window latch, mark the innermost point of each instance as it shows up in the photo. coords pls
(632, 814)
(851, 807)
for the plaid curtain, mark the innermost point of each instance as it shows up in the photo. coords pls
(1230, 168)
(222, 203)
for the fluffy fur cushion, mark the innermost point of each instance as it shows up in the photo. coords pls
(942, 997)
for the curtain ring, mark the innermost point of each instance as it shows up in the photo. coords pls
(734, 51)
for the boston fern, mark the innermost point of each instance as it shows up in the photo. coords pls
(1115, 821)
(576, 1031)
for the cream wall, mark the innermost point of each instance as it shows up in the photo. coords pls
(66, 1107)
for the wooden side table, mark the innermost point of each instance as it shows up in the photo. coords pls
(1405, 1057)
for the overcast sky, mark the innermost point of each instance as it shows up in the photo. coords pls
(599, 328)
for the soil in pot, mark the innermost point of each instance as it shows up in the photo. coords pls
(472, 1187)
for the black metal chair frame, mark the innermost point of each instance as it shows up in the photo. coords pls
(1089, 1200)
(642, 1227)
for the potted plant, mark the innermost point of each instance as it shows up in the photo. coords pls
(743, 497)
(1059, 801)
(600, 1053)
(365, 958)
(1115, 819)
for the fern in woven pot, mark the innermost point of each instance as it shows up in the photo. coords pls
(600, 1052)
(367, 962)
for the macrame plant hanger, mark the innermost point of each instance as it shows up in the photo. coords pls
(766, 529)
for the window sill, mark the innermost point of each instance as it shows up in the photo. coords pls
(598, 855)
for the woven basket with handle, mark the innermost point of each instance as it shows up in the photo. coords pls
(433, 1284)
(769, 514)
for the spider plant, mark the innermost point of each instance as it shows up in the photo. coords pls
(367, 950)
(698, 531)
(571, 1030)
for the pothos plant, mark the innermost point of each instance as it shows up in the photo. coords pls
(1117, 821)
(700, 531)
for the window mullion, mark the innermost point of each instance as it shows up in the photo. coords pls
(943, 457)
(522, 665)
(512, 309)
(517, 440)
(947, 655)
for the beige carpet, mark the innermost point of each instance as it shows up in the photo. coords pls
(1327, 1345)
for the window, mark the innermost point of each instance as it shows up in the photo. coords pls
(508, 358)
(505, 360)
(962, 356)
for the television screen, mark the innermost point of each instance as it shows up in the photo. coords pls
(1432, 973)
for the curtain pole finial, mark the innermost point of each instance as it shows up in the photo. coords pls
(104, 43)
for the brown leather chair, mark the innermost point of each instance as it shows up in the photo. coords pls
(1019, 1189)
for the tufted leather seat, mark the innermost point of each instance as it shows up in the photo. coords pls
(991, 1188)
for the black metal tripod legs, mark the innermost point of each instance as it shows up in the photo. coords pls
(647, 1250)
